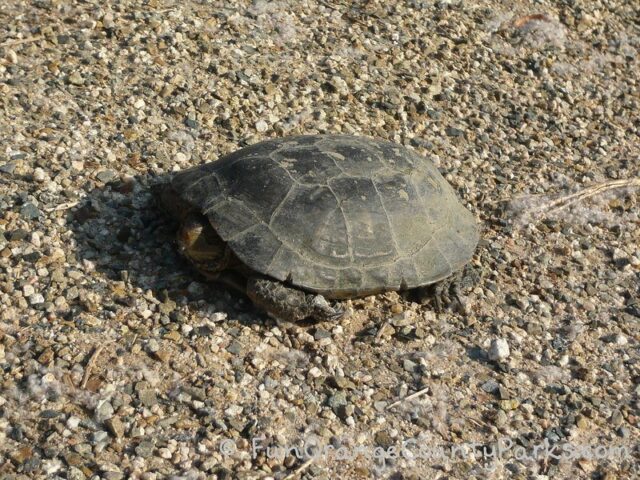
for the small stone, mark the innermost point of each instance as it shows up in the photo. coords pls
(105, 176)
(50, 413)
(165, 453)
(148, 397)
(174, 336)
(503, 393)
(501, 418)
(616, 418)
(167, 307)
(321, 333)
(499, 350)
(162, 355)
(234, 347)
(337, 401)
(75, 78)
(623, 432)
(262, 126)
(509, 404)
(338, 85)
(341, 382)
(115, 426)
(73, 458)
(29, 211)
(20, 455)
(17, 433)
(383, 439)
(409, 365)
(99, 436)
(83, 448)
(218, 316)
(620, 339)
(563, 361)
(103, 411)
(620, 257)
(403, 319)
(454, 132)
(17, 235)
(396, 308)
(582, 422)
(74, 473)
(490, 386)
(145, 449)
(77, 165)
(39, 175)
(46, 357)
(73, 422)
(8, 168)
(380, 405)
(315, 372)
(153, 346)
(112, 475)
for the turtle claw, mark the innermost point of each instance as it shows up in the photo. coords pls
(449, 293)
(323, 311)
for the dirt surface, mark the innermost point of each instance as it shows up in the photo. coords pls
(119, 361)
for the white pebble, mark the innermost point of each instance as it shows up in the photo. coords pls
(12, 56)
(262, 126)
(499, 349)
(77, 165)
(233, 410)
(39, 175)
(73, 422)
(36, 298)
(620, 339)
(35, 239)
(218, 316)
(28, 290)
(165, 453)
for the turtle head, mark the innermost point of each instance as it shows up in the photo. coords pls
(199, 242)
(197, 239)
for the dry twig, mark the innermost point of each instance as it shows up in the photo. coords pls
(299, 470)
(90, 364)
(554, 205)
(408, 397)
(20, 41)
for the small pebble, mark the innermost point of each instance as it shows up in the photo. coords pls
(499, 350)
(262, 126)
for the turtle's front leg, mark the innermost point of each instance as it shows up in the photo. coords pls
(289, 304)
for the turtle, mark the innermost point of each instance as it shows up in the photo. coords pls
(294, 222)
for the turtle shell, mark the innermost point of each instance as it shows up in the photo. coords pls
(339, 215)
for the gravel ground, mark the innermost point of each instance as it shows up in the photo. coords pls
(118, 361)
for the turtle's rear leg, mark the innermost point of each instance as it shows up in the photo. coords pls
(289, 304)
(449, 293)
